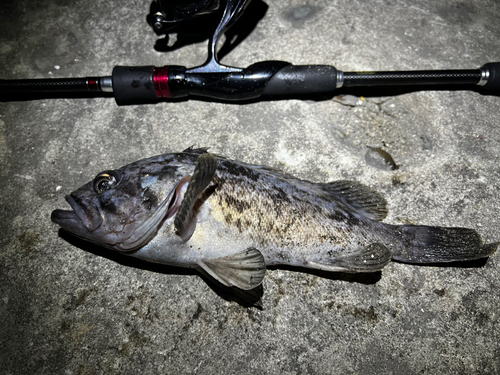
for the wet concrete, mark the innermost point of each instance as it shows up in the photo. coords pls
(71, 308)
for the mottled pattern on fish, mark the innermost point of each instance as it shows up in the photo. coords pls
(230, 219)
(281, 217)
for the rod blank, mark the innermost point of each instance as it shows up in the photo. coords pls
(147, 84)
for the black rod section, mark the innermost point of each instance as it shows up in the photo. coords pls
(422, 77)
(50, 85)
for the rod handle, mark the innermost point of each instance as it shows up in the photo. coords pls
(302, 80)
(134, 85)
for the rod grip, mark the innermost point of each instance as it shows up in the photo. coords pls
(266, 78)
(134, 85)
(302, 80)
(493, 79)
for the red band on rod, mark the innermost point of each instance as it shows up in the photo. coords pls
(160, 80)
(92, 84)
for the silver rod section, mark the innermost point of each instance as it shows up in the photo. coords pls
(340, 79)
(485, 74)
(106, 84)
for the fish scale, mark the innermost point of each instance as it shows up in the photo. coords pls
(273, 218)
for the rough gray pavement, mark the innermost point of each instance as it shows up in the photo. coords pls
(68, 308)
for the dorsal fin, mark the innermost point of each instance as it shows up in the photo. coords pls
(358, 197)
(200, 150)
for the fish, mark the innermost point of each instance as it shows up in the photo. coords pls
(231, 220)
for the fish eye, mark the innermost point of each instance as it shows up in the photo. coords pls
(105, 181)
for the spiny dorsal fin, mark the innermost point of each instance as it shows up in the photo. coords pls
(199, 150)
(185, 220)
(360, 198)
(244, 270)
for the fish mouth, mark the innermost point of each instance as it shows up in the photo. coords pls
(84, 218)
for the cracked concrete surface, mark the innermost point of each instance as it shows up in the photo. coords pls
(70, 308)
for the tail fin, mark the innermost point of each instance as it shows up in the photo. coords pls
(423, 244)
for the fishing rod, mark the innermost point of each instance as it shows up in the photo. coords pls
(213, 80)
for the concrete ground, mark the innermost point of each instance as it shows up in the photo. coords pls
(71, 308)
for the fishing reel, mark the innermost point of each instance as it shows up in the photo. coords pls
(167, 15)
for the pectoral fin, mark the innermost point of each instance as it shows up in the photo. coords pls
(372, 258)
(245, 270)
(185, 220)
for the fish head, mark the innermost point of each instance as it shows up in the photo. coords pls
(123, 209)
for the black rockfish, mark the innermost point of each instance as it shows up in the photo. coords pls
(230, 220)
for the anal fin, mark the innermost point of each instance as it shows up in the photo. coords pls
(245, 269)
(372, 258)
